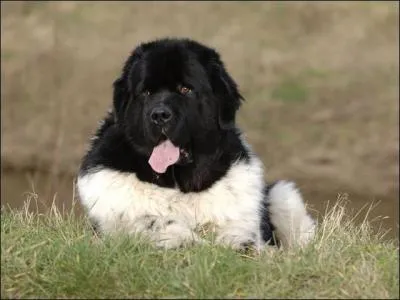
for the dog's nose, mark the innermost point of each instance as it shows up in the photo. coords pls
(160, 115)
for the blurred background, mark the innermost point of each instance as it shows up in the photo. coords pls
(321, 82)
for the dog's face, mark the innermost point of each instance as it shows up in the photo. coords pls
(174, 98)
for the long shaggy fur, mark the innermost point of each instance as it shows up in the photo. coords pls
(218, 178)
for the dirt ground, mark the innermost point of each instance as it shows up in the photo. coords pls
(321, 82)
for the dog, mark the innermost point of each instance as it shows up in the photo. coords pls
(168, 157)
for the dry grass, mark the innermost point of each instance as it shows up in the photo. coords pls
(55, 255)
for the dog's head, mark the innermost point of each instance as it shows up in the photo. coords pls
(174, 96)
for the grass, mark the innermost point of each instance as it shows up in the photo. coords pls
(56, 256)
(290, 91)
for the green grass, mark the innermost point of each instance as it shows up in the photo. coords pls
(49, 255)
(290, 91)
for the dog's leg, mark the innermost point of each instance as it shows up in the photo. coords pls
(288, 214)
(115, 206)
(239, 237)
(166, 232)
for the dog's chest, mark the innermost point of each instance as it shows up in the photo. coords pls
(110, 195)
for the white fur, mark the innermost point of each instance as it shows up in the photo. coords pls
(120, 201)
(288, 214)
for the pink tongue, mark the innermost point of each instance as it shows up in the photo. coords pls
(163, 155)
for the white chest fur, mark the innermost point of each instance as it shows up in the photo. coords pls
(119, 200)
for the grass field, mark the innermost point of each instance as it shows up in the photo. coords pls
(55, 255)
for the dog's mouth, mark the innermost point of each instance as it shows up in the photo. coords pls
(166, 154)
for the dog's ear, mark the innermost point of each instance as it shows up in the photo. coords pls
(122, 87)
(229, 98)
(120, 97)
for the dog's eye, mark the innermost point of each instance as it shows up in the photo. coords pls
(146, 93)
(184, 90)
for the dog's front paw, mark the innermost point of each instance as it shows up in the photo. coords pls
(239, 240)
(167, 232)
(174, 234)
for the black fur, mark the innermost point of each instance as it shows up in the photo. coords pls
(203, 120)
(267, 228)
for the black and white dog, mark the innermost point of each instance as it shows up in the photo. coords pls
(168, 158)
